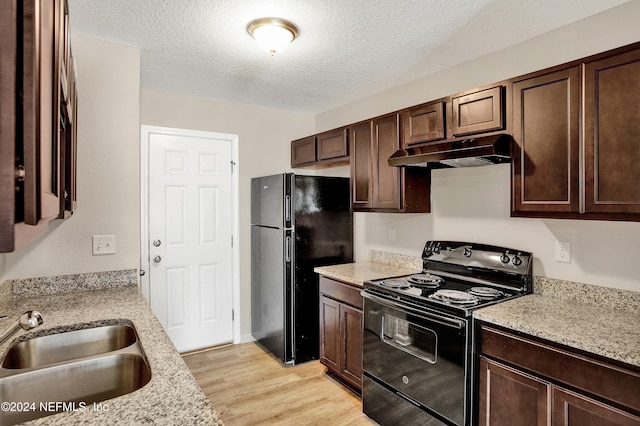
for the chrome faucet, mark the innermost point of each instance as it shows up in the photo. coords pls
(28, 320)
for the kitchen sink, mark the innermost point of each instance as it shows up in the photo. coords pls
(54, 348)
(70, 370)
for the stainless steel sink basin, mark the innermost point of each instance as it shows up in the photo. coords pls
(70, 345)
(81, 382)
(71, 370)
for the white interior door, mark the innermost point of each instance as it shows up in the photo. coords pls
(190, 213)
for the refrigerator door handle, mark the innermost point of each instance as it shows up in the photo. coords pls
(287, 208)
(287, 249)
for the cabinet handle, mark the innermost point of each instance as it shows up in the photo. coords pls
(20, 173)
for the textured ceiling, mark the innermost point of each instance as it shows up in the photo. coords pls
(346, 49)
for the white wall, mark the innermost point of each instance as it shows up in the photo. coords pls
(265, 137)
(473, 204)
(108, 169)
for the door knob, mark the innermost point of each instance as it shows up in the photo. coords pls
(156, 243)
(157, 259)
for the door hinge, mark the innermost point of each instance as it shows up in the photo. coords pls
(233, 315)
(233, 163)
(232, 241)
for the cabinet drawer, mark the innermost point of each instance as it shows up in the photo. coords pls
(478, 112)
(595, 377)
(340, 291)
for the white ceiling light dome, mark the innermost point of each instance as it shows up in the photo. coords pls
(272, 34)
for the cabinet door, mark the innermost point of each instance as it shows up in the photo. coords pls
(571, 409)
(477, 112)
(303, 151)
(330, 348)
(546, 129)
(8, 57)
(360, 151)
(332, 144)
(386, 179)
(509, 397)
(423, 124)
(351, 339)
(611, 128)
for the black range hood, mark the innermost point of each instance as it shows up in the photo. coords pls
(480, 151)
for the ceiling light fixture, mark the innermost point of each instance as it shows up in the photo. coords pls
(272, 34)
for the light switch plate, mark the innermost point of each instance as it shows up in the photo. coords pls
(104, 244)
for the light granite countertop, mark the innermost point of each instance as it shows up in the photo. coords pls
(380, 265)
(594, 319)
(171, 397)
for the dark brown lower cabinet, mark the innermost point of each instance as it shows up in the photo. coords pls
(572, 409)
(523, 381)
(509, 397)
(341, 332)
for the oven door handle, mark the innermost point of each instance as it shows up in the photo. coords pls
(449, 322)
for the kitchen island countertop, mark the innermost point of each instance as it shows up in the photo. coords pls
(171, 397)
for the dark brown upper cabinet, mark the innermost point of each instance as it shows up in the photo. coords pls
(386, 141)
(546, 130)
(478, 111)
(611, 134)
(325, 149)
(361, 171)
(8, 58)
(423, 124)
(42, 148)
(376, 186)
(332, 144)
(576, 151)
(303, 151)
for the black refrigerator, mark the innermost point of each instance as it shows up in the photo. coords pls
(297, 223)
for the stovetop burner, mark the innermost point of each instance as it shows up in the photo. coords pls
(455, 297)
(485, 292)
(425, 280)
(395, 283)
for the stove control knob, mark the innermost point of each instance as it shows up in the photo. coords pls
(466, 252)
(436, 248)
(517, 260)
(505, 257)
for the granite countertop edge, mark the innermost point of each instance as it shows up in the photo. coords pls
(359, 272)
(172, 396)
(599, 330)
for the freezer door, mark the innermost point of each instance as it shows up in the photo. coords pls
(271, 201)
(271, 306)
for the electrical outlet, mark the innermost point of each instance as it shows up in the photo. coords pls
(391, 234)
(563, 251)
(104, 244)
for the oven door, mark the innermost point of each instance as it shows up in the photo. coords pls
(417, 354)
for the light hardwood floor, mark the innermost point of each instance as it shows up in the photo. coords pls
(247, 386)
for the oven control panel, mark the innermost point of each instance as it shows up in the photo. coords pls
(480, 256)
